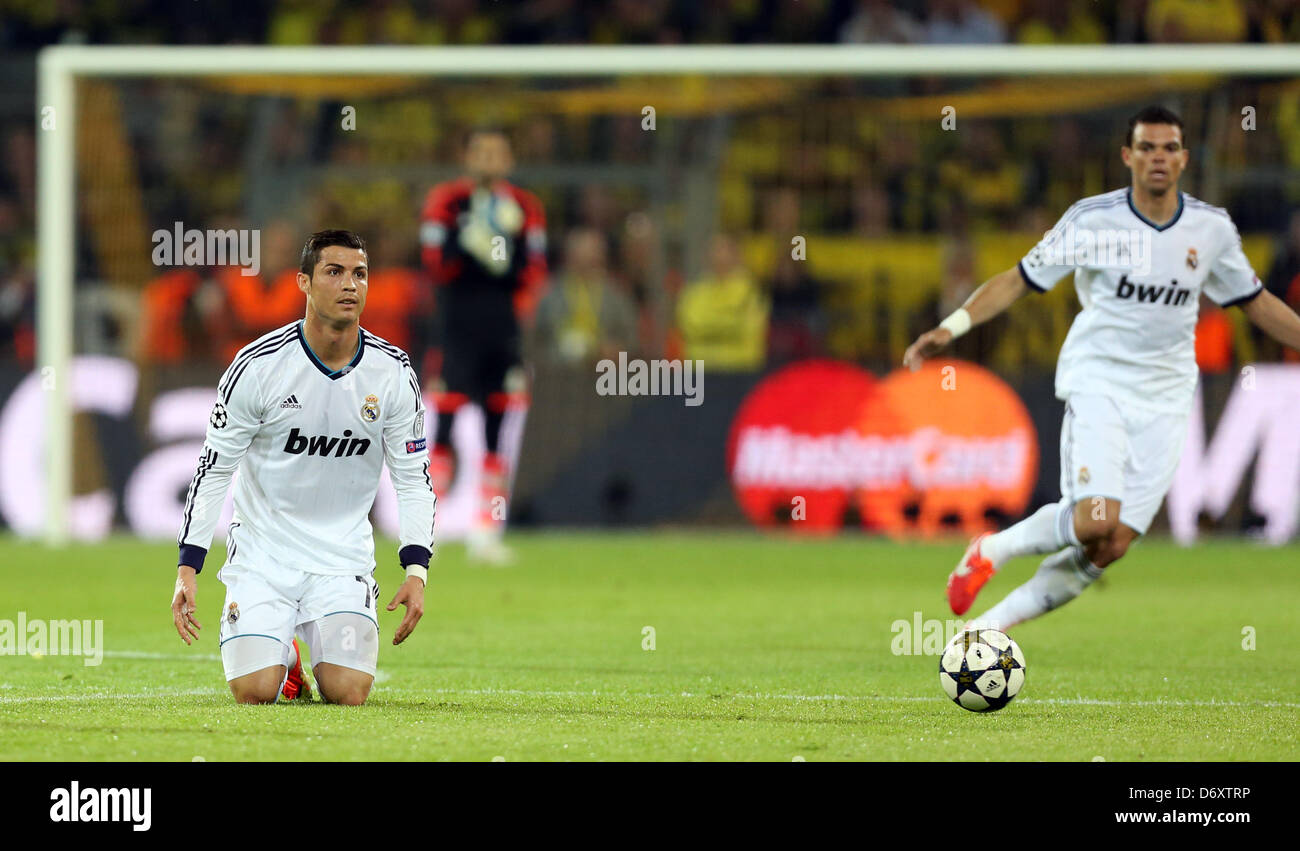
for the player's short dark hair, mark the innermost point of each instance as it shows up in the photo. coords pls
(323, 239)
(1154, 115)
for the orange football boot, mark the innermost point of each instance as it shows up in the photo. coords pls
(295, 685)
(969, 577)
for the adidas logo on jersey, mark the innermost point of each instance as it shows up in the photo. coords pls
(1172, 294)
(325, 446)
(291, 402)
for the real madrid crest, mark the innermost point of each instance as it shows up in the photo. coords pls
(370, 410)
(232, 613)
(1191, 258)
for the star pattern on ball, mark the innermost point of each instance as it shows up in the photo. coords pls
(998, 661)
(1006, 661)
(218, 418)
(966, 680)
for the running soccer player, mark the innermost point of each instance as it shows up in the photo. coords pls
(483, 240)
(308, 415)
(1127, 370)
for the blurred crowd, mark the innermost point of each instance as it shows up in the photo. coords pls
(296, 22)
(899, 222)
(885, 253)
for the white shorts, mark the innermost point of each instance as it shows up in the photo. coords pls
(337, 617)
(1120, 452)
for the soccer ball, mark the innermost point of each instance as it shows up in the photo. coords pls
(982, 670)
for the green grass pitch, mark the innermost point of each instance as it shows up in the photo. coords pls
(765, 648)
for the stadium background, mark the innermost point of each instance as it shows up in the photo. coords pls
(684, 232)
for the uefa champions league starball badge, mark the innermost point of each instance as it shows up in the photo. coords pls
(370, 410)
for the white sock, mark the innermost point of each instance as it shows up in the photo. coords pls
(279, 693)
(1059, 579)
(1045, 531)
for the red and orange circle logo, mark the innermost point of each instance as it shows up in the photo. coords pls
(824, 444)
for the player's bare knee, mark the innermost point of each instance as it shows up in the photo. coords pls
(258, 687)
(353, 697)
(1096, 519)
(347, 694)
(1098, 530)
(1119, 542)
(1107, 551)
(1102, 556)
(342, 685)
(254, 693)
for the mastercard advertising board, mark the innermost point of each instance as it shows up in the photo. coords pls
(821, 445)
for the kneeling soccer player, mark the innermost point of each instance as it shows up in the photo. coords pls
(309, 414)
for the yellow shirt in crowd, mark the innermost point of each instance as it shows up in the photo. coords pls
(723, 322)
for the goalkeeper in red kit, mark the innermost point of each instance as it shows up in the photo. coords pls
(483, 240)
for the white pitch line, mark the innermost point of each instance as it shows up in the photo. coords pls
(820, 698)
(145, 695)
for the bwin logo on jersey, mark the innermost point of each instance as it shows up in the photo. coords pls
(325, 446)
(1153, 294)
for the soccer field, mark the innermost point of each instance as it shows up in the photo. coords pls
(764, 649)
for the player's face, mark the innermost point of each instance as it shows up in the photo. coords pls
(1156, 158)
(336, 290)
(488, 157)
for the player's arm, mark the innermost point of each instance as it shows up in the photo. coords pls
(994, 296)
(437, 219)
(1274, 318)
(532, 277)
(407, 457)
(1233, 283)
(1039, 270)
(236, 417)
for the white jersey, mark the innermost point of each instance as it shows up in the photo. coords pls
(309, 444)
(1140, 286)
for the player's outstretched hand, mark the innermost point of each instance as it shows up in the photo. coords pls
(411, 595)
(184, 603)
(927, 345)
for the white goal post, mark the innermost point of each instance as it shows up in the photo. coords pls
(60, 67)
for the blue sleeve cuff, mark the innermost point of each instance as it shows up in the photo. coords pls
(1236, 302)
(1033, 286)
(192, 556)
(414, 554)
